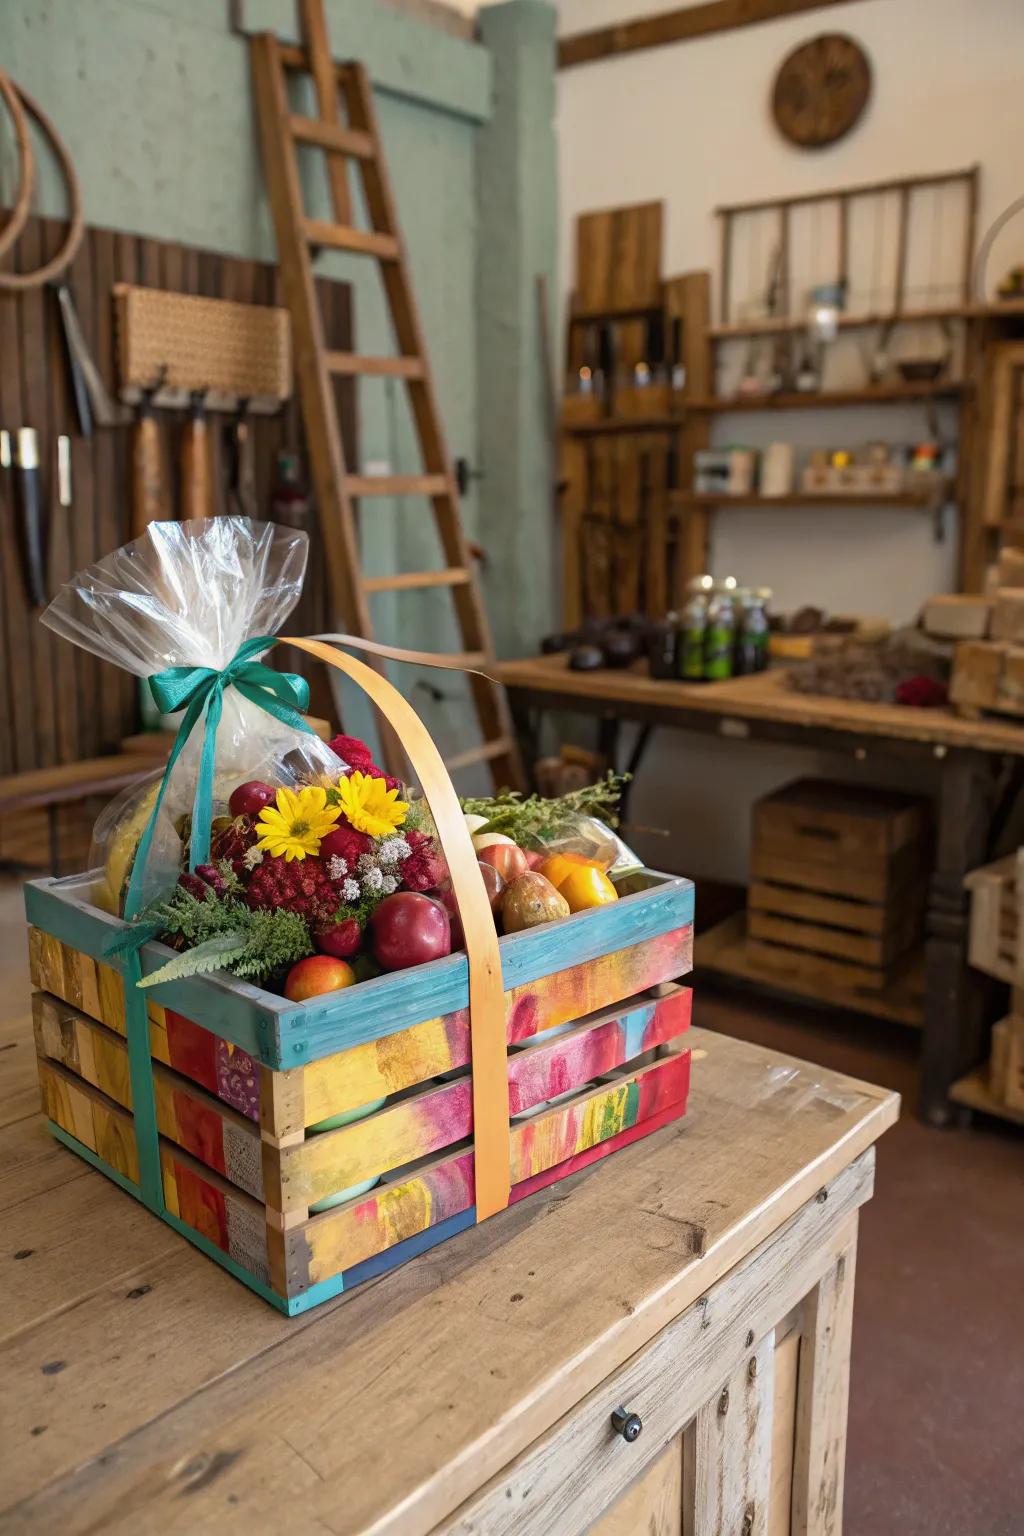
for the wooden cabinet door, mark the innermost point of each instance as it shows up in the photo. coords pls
(653, 1505)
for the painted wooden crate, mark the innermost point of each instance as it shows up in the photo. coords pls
(240, 1078)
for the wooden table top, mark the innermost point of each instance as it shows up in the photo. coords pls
(144, 1390)
(764, 696)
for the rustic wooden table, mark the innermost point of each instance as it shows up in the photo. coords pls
(701, 1280)
(980, 766)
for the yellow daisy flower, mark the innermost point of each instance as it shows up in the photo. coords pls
(369, 806)
(293, 828)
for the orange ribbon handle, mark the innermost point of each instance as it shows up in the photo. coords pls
(486, 994)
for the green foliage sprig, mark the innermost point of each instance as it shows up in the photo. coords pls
(222, 932)
(533, 818)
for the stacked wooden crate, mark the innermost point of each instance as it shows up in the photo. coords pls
(988, 667)
(995, 947)
(837, 887)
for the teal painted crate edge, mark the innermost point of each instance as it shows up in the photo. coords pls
(282, 1035)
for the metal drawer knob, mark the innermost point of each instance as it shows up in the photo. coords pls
(628, 1425)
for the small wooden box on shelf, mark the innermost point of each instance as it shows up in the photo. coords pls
(836, 893)
(241, 1077)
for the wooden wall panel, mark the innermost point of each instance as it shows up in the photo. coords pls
(57, 703)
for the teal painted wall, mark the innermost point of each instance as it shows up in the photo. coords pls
(153, 99)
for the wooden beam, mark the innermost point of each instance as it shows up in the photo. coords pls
(677, 26)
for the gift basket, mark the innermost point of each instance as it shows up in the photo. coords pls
(317, 1019)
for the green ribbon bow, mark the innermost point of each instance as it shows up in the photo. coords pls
(200, 690)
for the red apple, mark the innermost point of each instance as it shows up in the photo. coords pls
(341, 939)
(445, 897)
(506, 858)
(533, 858)
(315, 975)
(494, 884)
(409, 929)
(249, 799)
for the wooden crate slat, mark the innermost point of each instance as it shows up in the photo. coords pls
(877, 949)
(773, 859)
(341, 1238)
(214, 1133)
(349, 1079)
(816, 907)
(366, 1072)
(803, 966)
(225, 1216)
(283, 1035)
(439, 1116)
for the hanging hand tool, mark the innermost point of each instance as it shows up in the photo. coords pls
(150, 501)
(64, 492)
(242, 468)
(196, 478)
(29, 522)
(93, 403)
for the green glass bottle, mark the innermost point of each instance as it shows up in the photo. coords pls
(693, 629)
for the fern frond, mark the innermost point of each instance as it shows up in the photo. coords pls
(211, 956)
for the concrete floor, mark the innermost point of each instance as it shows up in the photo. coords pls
(936, 1437)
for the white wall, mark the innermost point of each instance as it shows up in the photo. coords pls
(690, 124)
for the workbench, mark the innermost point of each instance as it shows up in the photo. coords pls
(659, 1342)
(980, 768)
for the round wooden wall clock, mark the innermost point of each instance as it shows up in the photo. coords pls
(821, 90)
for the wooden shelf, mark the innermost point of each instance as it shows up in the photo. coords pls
(973, 1092)
(1013, 309)
(924, 499)
(882, 394)
(879, 394)
(627, 312)
(605, 424)
(723, 950)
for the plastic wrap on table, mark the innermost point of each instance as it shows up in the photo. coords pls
(188, 595)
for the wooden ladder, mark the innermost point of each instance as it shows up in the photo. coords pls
(354, 135)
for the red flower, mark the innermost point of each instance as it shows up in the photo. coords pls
(344, 842)
(352, 751)
(303, 886)
(426, 865)
(360, 759)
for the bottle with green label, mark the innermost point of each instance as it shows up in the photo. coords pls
(719, 635)
(752, 647)
(693, 628)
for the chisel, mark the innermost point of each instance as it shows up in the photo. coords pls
(29, 524)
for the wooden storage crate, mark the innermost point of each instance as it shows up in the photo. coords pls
(994, 939)
(836, 882)
(1006, 1067)
(240, 1076)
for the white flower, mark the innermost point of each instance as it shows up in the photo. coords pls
(393, 850)
(252, 857)
(350, 890)
(337, 867)
(373, 879)
(366, 862)
(390, 884)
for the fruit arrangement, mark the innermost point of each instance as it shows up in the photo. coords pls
(314, 887)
